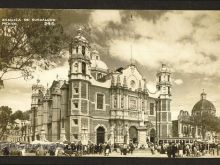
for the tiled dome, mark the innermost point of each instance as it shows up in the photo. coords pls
(203, 106)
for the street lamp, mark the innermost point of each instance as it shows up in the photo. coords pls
(156, 135)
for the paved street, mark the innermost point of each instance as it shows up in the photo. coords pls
(137, 153)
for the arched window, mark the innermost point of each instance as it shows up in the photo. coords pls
(99, 76)
(83, 50)
(76, 67)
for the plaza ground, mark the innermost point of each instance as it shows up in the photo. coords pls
(136, 153)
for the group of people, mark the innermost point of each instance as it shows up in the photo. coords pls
(79, 149)
(172, 150)
(181, 149)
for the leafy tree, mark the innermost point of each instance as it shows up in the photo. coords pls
(207, 121)
(20, 115)
(5, 120)
(30, 44)
(26, 115)
(17, 115)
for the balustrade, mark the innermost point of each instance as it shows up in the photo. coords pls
(127, 115)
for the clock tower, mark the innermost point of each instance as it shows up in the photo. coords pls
(163, 104)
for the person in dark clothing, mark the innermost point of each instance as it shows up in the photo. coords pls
(6, 151)
(169, 150)
(174, 150)
(52, 150)
(131, 146)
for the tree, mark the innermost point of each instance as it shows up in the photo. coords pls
(30, 44)
(5, 120)
(207, 121)
(20, 115)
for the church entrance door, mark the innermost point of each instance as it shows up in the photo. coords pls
(100, 134)
(133, 134)
(152, 135)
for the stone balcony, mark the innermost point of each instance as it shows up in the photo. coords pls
(127, 114)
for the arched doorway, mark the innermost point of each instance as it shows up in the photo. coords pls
(133, 134)
(100, 135)
(152, 135)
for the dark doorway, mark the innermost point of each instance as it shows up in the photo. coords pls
(133, 134)
(152, 135)
(100, 135)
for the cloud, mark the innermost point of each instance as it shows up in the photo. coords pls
(178, 81)
(100, 18)
(151, 86)
(179, 38)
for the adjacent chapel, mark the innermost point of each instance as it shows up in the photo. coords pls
(99, 105)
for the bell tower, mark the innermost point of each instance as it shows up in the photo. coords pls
(79, 60)
(79, 83)
(36, 108)
(163, 105)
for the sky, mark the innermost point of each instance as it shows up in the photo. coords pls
(187, 41)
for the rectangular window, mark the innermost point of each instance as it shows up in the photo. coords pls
(164, 116)
(163, 105)
(168, 77)
(83, 50)
(159, 78)
(75, 121)
(122, 102)
(143, 107)
(83, 68)
(100, 101)
(151, 108)
(76, 91)
(133, 103)
(75, 104)
(115, 102)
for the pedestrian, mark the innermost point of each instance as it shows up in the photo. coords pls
(107, 150)
(218, 149)
(131, 147)
(180, 148)
(6, 151)
(169, 150)
(174, 150)
(152, 149)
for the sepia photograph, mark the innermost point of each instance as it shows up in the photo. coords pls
(110, 83)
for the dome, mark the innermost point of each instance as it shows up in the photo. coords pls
(204, 105)
(79, 37)
(98, 64)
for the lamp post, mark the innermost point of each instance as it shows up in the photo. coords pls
(156, 135)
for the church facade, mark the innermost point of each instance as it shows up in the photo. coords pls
(99, 105)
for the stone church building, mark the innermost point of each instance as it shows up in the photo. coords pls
(99, 105)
